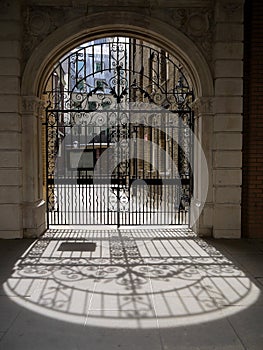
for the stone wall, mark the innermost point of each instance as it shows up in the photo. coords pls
(206, 34)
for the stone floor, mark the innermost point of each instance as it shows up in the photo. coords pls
(158, 289)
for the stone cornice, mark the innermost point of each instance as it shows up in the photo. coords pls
(32, 105)
(121, 3)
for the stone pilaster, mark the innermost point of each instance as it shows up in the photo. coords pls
(33, 204)
(203, 112)
(227, 128)
(10, 121)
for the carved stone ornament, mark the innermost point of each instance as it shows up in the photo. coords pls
(32, 105)
(39, 23)
(202, 105)
(231, 7)
(197, 24)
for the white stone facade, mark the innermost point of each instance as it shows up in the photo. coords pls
(206, 35)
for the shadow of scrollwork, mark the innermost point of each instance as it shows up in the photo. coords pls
(132, 278)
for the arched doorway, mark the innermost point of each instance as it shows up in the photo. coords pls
(43, 60)
(118, 136)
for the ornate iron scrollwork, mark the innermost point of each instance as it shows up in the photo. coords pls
(84, 119)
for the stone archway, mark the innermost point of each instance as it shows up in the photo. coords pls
(85, 28)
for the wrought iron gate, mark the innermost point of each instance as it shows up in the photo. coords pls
(118, 136)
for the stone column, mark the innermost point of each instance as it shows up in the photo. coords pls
(33, 204)
(10, 121)
(203, 129)
(228, 108)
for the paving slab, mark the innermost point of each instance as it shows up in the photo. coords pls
(214, 335)
(8, 313)
(238, 246)
(251, 263)
(32, 331)
(248, 325)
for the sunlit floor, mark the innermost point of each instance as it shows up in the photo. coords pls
(159, 288)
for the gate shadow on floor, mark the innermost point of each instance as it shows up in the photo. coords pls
(129, 279)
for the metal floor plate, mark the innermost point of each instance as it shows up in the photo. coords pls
(77, 246)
